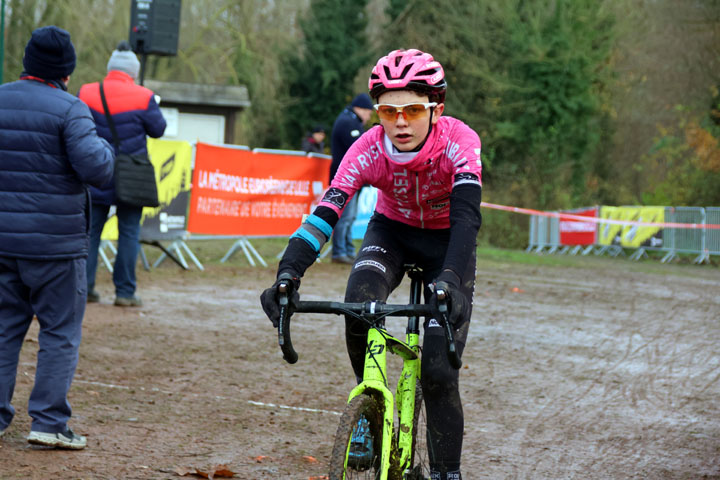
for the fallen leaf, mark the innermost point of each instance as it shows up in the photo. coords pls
(260, 458)
(216, 472)
(222, 471)
(322, 477)
(309, 459)
(517, 290)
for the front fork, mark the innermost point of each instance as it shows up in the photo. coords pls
(405, 399)
(375, 384)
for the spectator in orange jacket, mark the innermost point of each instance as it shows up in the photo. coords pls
(136, 115)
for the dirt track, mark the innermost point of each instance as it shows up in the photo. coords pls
(605, 369)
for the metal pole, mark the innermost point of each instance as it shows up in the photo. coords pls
(143, 60)
(2, 39)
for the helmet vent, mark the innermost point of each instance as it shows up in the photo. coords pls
(428, 73)
(405, 71)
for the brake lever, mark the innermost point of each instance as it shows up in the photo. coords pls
(453, 356)
(284, 339)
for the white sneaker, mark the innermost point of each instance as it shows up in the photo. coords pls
(66, 439)
(2, 432)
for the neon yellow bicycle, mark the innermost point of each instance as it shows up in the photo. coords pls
(392, 452)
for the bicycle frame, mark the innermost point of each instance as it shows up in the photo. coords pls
(374, 383)
(379, 342)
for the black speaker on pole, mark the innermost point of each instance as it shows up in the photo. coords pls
(155, 26)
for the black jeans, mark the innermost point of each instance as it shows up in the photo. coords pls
(379, 268)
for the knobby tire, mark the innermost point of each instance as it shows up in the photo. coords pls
(420, 460)
(360, 405)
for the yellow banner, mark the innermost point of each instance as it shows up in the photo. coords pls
(641, 236)
(173, 174)
(608, 232)
(631, 236)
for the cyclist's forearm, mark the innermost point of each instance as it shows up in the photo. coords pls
(307, 241)
(465, 220)
(297, 258)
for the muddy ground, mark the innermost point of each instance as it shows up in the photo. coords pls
(589, 368)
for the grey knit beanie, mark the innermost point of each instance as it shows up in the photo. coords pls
(125, 60)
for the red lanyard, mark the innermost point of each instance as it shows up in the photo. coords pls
(37, 79)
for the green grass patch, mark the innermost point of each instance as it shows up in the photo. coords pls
(210, 253)
(490, 256)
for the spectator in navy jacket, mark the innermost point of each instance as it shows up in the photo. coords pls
(348, 127)
(136, 114)
(49, 151)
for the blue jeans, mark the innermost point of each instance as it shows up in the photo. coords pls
(127, 249)
(342, 235)
(55, 292)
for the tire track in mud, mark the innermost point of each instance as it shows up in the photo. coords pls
(660, 367)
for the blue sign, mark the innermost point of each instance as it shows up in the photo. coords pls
(366, 207)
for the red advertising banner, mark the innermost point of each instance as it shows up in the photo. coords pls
(577, 232)
(245, 193)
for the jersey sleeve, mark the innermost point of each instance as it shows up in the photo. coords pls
(464, 152)
(465, 199)
(355, 170)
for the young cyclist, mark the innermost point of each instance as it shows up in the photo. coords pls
(428, 172)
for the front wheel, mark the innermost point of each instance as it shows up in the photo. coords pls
(347, 460)
(419, 467)
(420, 459)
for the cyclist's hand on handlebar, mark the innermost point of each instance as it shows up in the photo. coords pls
(270, 297)
(456, 301)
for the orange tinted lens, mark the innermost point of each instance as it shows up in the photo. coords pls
(414, 111)
(387, 112)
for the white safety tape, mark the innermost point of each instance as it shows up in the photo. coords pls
(217, 397)
(580, 218)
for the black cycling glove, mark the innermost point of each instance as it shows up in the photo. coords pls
(457, 304)
(269, 297)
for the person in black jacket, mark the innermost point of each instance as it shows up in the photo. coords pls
(49, 152)
(348, 127)
(314, 142)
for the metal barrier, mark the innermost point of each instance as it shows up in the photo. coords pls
(533, 233)
(544, 233)
(712, 237)
(683, 240)
(553, 234)
(544, 236)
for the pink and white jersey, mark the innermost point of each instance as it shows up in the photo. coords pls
(413, 188)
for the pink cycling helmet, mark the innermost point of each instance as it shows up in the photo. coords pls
(408, 70)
